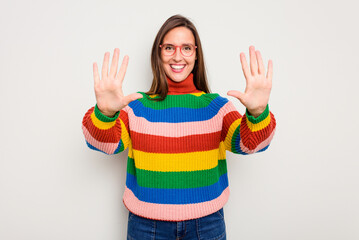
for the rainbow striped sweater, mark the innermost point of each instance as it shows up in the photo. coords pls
(176, 165)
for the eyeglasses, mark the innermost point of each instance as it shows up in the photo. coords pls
(186, 50)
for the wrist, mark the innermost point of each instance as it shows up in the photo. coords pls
(109, 114)
(256, 112)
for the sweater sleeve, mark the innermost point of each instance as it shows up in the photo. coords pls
(105, 134)
(246, 134)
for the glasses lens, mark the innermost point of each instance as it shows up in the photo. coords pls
(187, 50)
(168, 49)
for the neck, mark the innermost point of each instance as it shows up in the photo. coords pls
(183, 87)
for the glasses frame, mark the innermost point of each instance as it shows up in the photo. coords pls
(180, 47)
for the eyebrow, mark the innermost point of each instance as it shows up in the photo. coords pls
(175, 44)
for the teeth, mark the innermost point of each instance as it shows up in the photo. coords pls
(177, 66)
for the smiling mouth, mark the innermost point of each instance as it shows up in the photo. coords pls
(177, 66)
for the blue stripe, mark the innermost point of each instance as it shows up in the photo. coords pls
(263, 149)
(94, 148)
(119, 146)
(237, 147)
(177, 196)
(178, 114)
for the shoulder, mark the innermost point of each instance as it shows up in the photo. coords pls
(208, 97)
(147, 95)
(216, 98)
(216, 102)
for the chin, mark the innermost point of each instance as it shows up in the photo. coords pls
(177, 77)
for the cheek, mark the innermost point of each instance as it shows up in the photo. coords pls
(194, 59)
(164, 61)
(192, 62)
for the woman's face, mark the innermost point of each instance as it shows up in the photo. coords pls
(177, 66)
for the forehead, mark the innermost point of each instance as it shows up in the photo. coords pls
(179, 35)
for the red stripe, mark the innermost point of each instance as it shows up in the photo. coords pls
(160, 144)
(180, 93)
(228, 119)
(112, 135)
(252, 139)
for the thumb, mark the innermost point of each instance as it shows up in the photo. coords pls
(132, 97)
(236, 94)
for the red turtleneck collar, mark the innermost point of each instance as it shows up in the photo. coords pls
(186, 86)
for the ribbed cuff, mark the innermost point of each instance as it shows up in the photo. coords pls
(100, 116)
(260, 118)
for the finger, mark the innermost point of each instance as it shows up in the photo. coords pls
(261, 69)
(123, 68)
(132, 97)
(253, 61)
(245, 67)
(270, 70)
(114, 64)
(236, 94)
(105, 65)
(96, 76)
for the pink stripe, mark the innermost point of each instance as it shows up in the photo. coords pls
(173, 212)
(108, 148)
(228, 107)
(260, 146)
(141, 125)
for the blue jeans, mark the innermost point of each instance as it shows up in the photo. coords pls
(210, 227)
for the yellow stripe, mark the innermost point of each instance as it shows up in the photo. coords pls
(176, 162)
(101, 125)
(258, 126)
(198, 94)
(125, 137)
(222, 151)
(232, 128)
(130, 150)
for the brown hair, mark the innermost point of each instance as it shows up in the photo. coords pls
(159, 84)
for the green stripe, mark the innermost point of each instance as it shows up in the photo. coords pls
(233, 141)
(185, 100)
(122, 148)
(104, 118)
(260, 118)
(177, 180)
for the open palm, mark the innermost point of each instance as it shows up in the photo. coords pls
(258, 86)
(108, 90)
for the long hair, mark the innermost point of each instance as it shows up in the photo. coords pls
(159, 83)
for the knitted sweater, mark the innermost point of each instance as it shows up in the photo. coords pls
(176, 165)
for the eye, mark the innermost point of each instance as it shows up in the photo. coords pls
(187, 48)
(169, 47)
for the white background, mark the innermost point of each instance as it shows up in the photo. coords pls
(305, 186)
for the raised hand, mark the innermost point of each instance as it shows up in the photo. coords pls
(258, 86)
(108, 89)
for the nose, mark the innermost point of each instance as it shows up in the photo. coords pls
(177, 55)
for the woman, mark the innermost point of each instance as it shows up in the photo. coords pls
(177, 135)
